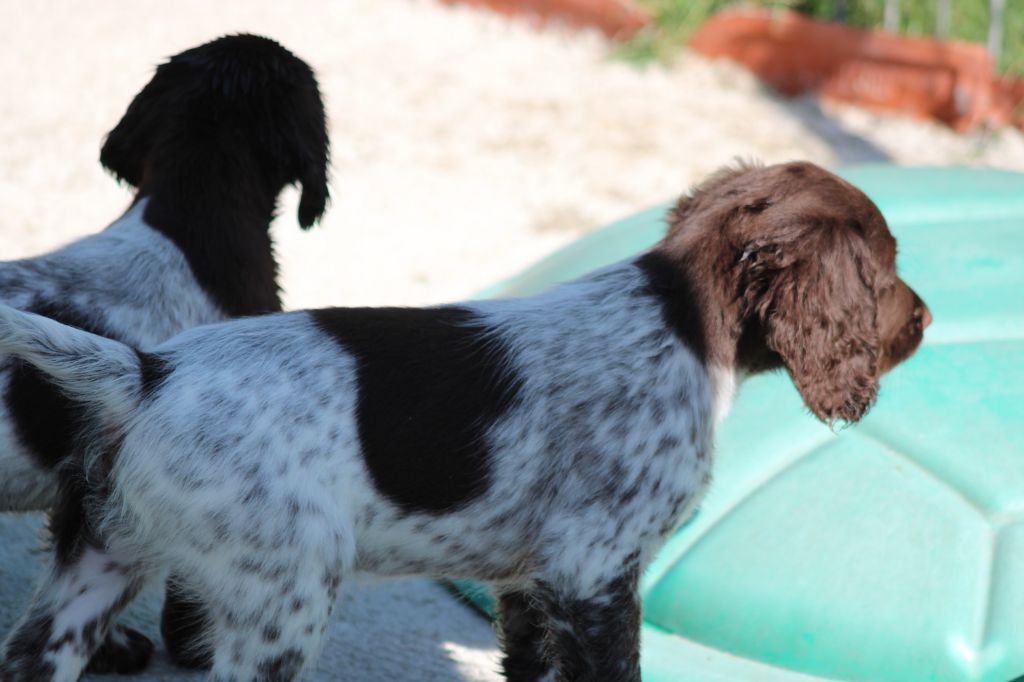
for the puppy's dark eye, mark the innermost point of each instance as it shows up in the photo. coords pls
(757, 206)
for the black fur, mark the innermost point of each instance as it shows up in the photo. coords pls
(182, 625)
(125, 654)
(429, 383)
(69, 531)
(211, 141)
(282, 668)
(152, 369)
(523, 633)
(45, 421)
(679, 305)
(603, 642)
(23, 661)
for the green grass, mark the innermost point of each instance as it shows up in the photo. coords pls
(676, 20)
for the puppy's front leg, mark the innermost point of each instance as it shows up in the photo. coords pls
(523, 633)
(594, 635)
(185, 627)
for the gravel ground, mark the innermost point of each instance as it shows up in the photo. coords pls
(466, 145)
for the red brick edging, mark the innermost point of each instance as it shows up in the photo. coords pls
(617, 19)
(951, 81)
(948, 80)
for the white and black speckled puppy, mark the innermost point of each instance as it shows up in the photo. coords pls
(210, 142)
(544, 444)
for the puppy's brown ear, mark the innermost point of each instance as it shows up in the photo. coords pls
(818, 308)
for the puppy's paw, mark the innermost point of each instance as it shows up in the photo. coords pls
(125, 651)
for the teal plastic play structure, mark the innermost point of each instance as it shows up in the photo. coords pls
(892, 551)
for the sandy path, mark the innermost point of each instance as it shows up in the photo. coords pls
(465, 146)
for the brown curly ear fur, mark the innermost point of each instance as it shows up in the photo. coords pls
(819, 311)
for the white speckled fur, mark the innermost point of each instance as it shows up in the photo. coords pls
(129, 279)
(266, 459)
(243, 474)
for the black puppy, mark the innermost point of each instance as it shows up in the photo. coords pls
(210, 142)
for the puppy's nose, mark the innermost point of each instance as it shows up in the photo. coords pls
(926, 317)
(921, 311)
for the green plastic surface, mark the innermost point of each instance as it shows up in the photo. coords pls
(893, 550)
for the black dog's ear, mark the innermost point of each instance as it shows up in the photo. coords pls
(275, 96)
(315, 194)
(128, 145)
(265, 79)
(313, 202)
(311, 148)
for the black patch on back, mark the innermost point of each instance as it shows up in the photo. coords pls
(669, 283)
(430, 384)
(45, 420)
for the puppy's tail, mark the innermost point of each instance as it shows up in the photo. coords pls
(103, 374)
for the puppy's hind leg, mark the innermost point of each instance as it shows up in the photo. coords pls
(125, 651)
(70, 615)
(269, 617)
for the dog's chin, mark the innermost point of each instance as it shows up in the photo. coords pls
(753, 356)
(903, 346)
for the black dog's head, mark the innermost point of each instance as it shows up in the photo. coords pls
(242, 96)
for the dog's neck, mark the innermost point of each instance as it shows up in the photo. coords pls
(218, 213)
(703, 305)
